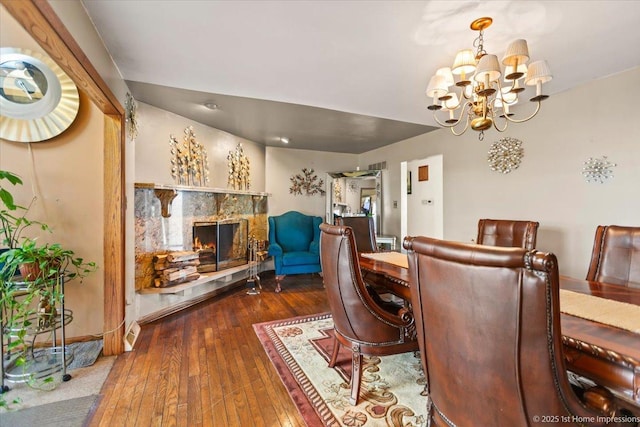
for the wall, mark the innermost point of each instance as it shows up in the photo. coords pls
(548, 186)
(65, 174)
(282, 163)
(153, 153)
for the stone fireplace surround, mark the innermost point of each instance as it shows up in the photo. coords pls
(157, 233)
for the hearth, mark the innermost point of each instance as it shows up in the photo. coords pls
(221, 244)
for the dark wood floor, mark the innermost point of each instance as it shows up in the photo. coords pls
(205, 365)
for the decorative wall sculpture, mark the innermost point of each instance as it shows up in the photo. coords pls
(131, 116)
(308, 182)
(598, 169)
(239, 169)
(189, 162)
(337, 191)
(505, 155)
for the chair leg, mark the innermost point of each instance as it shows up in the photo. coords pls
(356, 373)
(279, 279)
(336, 350)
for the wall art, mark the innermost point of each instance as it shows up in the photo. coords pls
(131, 116)
(307, 183)
(598, 169)
(505, 155)
(189, 162)
(239, 169)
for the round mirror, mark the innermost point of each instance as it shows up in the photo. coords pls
(38, 100)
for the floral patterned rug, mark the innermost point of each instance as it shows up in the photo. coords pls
(392, 389)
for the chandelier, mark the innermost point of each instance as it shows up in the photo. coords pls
(478, 99)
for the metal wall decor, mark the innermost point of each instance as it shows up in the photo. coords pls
(131, 116)
(505, 155)
(189, 162)
(239, 169)
(307, 182)
(337, 191)
(598, 169)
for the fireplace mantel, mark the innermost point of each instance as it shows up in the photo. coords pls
(166, 193)
(154, 186)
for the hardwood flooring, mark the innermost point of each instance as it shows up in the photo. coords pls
(204, 366)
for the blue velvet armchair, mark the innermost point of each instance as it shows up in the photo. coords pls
(294, 244)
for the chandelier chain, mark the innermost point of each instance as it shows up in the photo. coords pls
(478, 43)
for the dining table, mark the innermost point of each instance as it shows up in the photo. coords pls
(599, 352)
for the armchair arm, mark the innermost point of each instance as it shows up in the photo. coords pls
(275, 249)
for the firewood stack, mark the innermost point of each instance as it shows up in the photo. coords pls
(174, 268)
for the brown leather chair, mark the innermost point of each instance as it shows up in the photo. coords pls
(360, 323)
(615, 257)
(488, 325)
(507, 233)
(364, 231)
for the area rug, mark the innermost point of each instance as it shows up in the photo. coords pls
(392, 389)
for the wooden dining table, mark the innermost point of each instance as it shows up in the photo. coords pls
(607, 355)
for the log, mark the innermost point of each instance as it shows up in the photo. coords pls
(181, 256)
(172, 274)
(189, 278)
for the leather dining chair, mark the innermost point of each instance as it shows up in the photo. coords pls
(615, 257)
(507, 233)
(488, 325)
(361, 323)
(364, 231)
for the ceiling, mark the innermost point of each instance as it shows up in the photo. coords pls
(341, 76)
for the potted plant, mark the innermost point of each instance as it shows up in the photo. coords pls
(28, 301)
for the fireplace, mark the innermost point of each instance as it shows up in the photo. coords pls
(220, 244)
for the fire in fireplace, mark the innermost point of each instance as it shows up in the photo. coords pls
(221, 244)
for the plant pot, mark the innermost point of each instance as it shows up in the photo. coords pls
(30, 271)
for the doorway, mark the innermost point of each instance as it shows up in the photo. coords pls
(422, 197)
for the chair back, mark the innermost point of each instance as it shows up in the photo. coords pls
(615, 257)
(507, 233)
(356, 316)
(294, 231)
(363, 230)
(488, 326)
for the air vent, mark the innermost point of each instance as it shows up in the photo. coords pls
(378, 166)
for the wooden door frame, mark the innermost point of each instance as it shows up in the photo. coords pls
(41, 22)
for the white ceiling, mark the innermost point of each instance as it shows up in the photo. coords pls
(362, 65)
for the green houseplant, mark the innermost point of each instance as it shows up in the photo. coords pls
(13, 217)
(28, 301)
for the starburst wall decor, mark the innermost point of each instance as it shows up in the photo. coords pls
(598, 169)
(189, 162)
(308, 182)
(505, 155)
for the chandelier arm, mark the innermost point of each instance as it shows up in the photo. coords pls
(457, 121)
(466, 126)
(495, 126)
(527, 118)
(446, 125)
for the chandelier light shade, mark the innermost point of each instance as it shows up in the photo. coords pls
(486, 87)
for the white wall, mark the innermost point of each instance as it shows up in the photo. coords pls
(548, 186)
(153, 153)
(283, 163)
